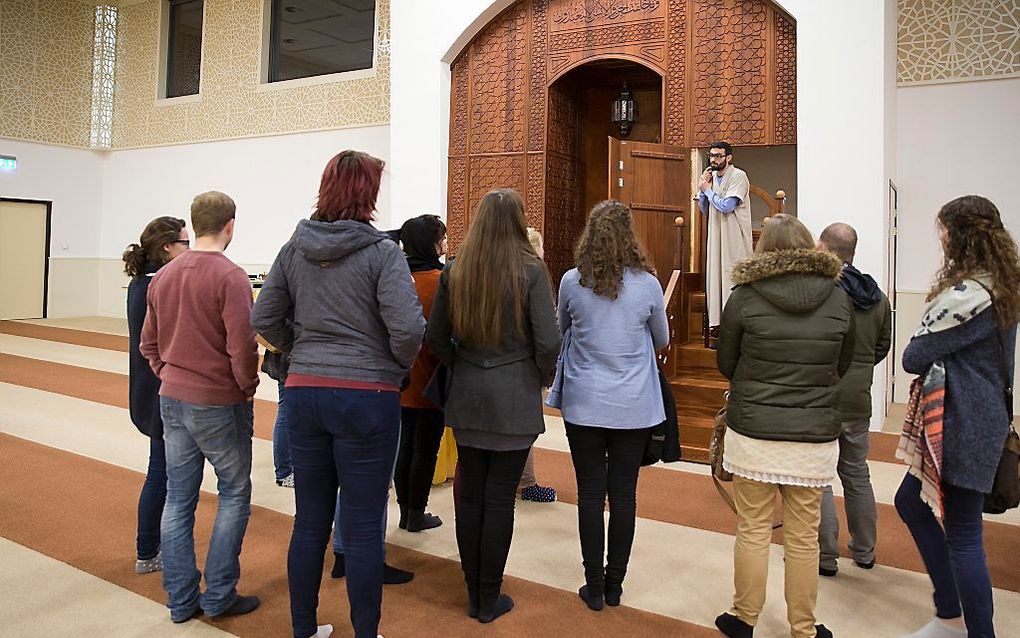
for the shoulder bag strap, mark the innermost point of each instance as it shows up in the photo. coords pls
(1007, 386)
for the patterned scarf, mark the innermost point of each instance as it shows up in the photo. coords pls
(920, 443)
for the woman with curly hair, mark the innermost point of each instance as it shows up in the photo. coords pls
(959, 412)
(612, 317)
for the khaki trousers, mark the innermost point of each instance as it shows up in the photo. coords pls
(801, 512)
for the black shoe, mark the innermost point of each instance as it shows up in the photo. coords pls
(242, 605)
(828, 572)
(868, 565)
(402, 524)
(194, 614)
(491, 612)
(339, 566)
(733, 626)
(591, 596)
(420, 520)
(613, 593)
(472, 604)
(821, 631)
(394, 576)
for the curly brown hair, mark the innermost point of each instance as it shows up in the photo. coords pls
(607, 247)
(976, 242)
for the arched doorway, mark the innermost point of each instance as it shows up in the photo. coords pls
(577, 155)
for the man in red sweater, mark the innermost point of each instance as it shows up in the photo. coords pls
(199, 341)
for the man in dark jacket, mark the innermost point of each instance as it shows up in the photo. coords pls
(873, 331)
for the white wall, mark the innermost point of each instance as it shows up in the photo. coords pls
(71, 179)
(273, 180)
(954, 139)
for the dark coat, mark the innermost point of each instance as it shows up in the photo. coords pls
(975, 422)
(499, 390)
(872, 338)
(785, 340)
(143, 384)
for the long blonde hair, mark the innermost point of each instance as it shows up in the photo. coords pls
(489, 268)
(784, 232)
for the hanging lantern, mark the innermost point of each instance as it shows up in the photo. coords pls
(624, 111)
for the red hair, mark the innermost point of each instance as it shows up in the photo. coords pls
(349, 187)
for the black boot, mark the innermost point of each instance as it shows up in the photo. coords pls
(495, 608)
(395, 576)
(420, 520)
(403, 517)
(339, 566)
(472, 604)
(592, 596)
(614, 585)
(733, 626)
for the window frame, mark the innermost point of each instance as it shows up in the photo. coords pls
(269, 49)
(166, 55)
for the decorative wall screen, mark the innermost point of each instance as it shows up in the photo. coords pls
(956, 40)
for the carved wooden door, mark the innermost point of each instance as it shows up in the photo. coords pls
(654, 180)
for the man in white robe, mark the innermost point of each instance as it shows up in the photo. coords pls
(725, 198)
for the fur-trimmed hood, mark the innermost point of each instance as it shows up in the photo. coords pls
(795, 280)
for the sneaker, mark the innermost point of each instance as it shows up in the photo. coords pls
(287, 481)
(868, 565)
(828, 572)
(154, 564)
(539, 494)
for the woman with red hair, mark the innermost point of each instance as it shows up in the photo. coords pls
(357, 326)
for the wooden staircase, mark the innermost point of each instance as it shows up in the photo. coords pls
(699, 390)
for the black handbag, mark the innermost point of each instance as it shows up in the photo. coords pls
(1005, 494)
(664, 442)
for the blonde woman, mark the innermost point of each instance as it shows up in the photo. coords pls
(785, 340)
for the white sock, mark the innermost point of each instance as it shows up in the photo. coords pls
(938, 629)
(324, 631)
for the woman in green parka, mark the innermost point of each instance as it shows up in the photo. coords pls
(785, 340)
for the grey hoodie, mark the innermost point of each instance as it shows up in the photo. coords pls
(356, 313)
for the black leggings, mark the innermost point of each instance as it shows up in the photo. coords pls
(421, 430)
(606, 462)
(486, 494)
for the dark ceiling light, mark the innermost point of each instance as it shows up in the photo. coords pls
(624, 111)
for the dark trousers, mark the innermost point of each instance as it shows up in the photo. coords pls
(152, 499)
(486, 494)
(606, 463)
(421, 431)
(346, 437)
(953, 553)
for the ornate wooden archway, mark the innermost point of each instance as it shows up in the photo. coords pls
(739, 85)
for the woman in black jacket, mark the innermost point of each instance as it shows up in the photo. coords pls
(493, 325)
(162, 240)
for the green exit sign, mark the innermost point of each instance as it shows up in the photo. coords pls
(8, 163)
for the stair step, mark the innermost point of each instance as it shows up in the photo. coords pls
(696, 355)
(698, 304)
(695, 437)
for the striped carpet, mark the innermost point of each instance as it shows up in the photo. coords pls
(68, 490)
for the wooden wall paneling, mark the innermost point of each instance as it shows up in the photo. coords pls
(770, 75)
(457, 203)
(676, 84)
(786, 79)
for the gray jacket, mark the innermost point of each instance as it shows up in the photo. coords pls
(499, 390)
(355, 309)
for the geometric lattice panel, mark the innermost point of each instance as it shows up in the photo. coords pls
(46, 70)
(954, 40)
(231, 104)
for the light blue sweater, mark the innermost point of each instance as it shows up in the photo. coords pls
(608, 376)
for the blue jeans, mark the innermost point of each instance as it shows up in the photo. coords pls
(281, 440)
(340, 437)
(152, 500)
(953, 552)
(193, 434)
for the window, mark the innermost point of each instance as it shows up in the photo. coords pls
(184, 47)
(320, 37)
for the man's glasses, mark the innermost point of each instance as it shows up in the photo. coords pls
(186, 242)
(717, 155)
